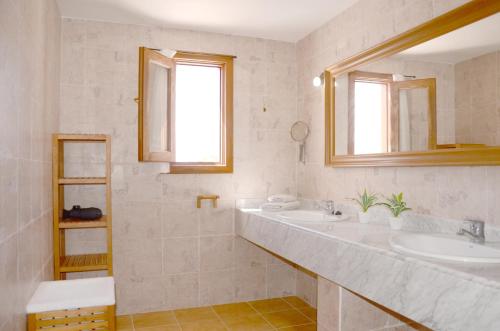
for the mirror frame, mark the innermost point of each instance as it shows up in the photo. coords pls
(464, 15)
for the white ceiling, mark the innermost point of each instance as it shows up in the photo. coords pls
(286, 20)
(471, 41)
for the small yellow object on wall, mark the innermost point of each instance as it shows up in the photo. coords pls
(207, 197)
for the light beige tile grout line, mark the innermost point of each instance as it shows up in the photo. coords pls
(292, 308)
(262, 315)
(176, 320)
(220, 318)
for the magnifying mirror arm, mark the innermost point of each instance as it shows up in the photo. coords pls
(302, 152)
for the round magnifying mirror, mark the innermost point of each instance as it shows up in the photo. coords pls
(299, 132)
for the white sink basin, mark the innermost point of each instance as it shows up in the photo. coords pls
(310, 216)
(445, 248)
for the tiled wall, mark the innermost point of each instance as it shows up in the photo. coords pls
(342, 310)
(452, 192)
(167, 253)
(478, 100)
(456, 192)
(29, 90)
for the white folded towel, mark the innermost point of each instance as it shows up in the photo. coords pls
(281, 198)
(277, 206)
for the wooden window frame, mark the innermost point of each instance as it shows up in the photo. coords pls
(147, 55)
(225, 165)
(426, 83)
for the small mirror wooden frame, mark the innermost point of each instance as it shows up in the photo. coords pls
(146, 154)
(469, 13)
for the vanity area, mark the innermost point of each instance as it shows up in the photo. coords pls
(416, 292)
(427, 99)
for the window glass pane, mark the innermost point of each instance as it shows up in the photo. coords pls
(158, 107)
(370, 114)
(198, 113)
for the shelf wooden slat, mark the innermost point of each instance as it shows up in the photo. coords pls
(82, 180)
(74, 223)
(82, 137)
(85, 262)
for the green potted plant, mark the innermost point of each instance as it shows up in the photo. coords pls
(397, 206)
(365, 201)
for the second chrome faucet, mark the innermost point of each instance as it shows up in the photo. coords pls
(474, 230)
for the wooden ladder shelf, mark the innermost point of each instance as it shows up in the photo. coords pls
(87, 262)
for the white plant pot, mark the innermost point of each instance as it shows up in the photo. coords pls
(363, 217)
(396, 223)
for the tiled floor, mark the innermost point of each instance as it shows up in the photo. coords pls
(284, 314)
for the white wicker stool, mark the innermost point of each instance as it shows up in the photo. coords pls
(73, 305)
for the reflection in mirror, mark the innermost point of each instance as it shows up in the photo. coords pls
(413, 114)
(440, 94)
(158, 106)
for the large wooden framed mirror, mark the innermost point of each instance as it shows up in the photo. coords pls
(430, 96)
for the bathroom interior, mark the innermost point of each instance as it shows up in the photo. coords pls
(249, 165)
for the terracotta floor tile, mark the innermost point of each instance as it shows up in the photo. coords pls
(296, 302)
(285, 318)
(124, 322)
(204, 325)
(309, 312)
(234, 310)
(195, 314)
(154, 319)
(308, 327)
(270, 305)
(248, 323)
(161, 328)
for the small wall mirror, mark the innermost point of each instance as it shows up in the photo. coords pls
(156, 104)
(426, 97)
(299, 132)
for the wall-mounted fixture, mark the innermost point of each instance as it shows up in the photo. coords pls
(318, 80)
(207, 197)
(299, 132)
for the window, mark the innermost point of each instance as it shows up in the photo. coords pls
(204, 113)
(198, 140)
(202, 96)
(369, 113)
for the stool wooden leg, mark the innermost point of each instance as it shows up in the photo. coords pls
(111, 318)
(31, 322)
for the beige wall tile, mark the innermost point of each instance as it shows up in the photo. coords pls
(29, 88)
(181, 255)
(307, 286)
(250, 283)
(217, 287)
(281, 280)
(182, 291)
(216, 253)
(179, 218)
(217, 221)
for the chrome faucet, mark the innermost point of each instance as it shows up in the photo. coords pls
(328, 206)
(475, 231)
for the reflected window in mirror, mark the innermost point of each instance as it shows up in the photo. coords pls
(428, 96)
(368, 112)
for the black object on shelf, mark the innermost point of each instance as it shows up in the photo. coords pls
(89, 214)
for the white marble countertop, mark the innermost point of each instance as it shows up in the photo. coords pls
(439, 295)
